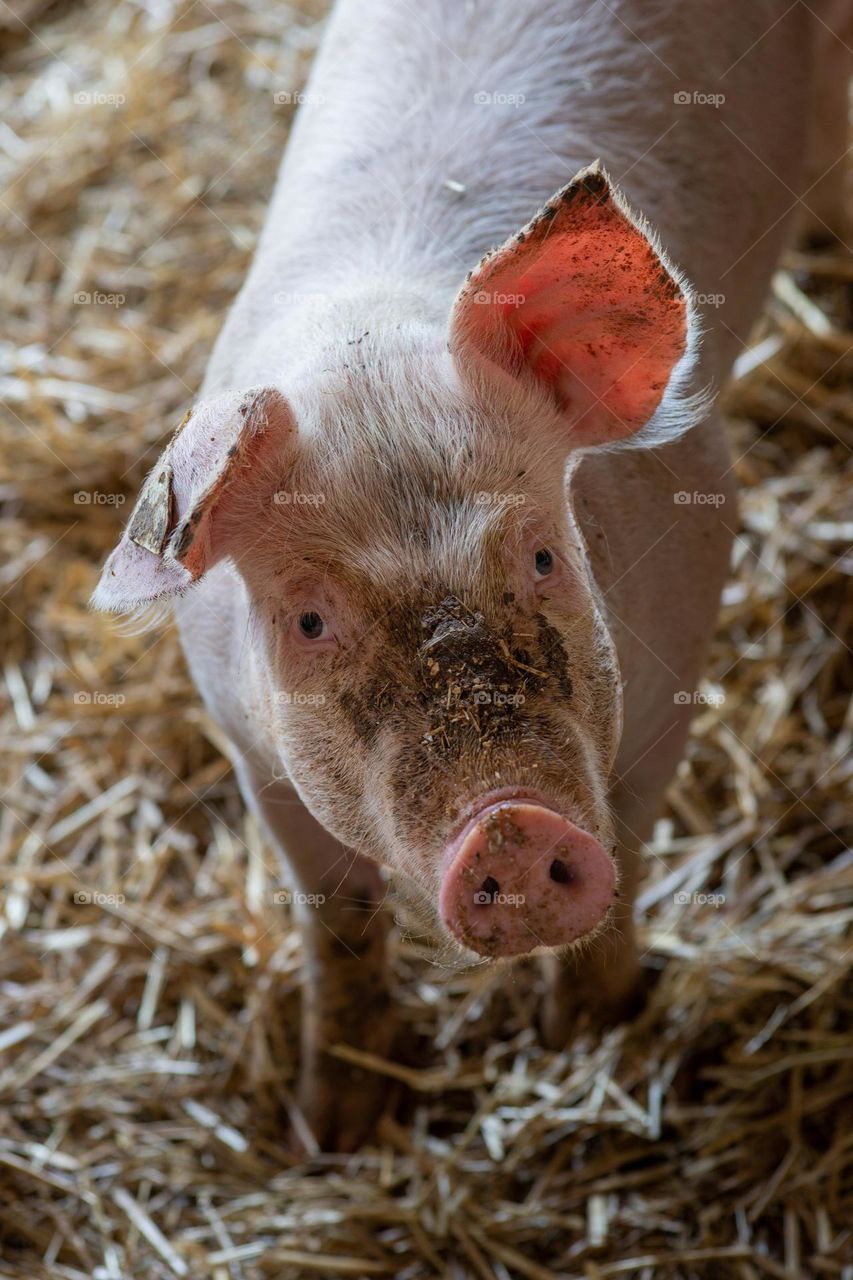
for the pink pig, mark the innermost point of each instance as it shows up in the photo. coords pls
(446, 549)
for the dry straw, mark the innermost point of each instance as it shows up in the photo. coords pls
(147, 1040)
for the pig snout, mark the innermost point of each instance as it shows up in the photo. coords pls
(519, 877)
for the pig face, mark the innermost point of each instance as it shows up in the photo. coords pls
(431, 659)
(431, 636)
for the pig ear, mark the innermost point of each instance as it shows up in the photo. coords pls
(175, 532)
(584, 300)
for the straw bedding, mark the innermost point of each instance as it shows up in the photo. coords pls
(147, 1036)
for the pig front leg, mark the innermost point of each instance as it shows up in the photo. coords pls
(338, 900)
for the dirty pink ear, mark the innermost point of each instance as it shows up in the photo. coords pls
(582, 300)
(176, 531)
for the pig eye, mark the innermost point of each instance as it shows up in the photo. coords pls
(312, 626)
(544, 562)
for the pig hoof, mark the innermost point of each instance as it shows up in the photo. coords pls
(341, 1105)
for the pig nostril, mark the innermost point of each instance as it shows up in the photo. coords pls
(488, 890)
(560, 872)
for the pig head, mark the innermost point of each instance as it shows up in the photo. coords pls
(427, 650)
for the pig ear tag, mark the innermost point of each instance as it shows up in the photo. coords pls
(151, 519)
(152, 516)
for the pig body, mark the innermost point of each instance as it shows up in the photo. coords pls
(462, 717)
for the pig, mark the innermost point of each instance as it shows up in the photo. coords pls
(446, 530)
